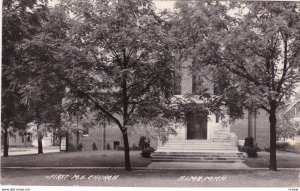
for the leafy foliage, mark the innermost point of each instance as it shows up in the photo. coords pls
(251, 151)
(285, 128)
(146, 152)
(21, 20)
(109, 59)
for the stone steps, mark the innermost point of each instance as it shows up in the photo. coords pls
(181, 155)
(200, 142)
(201, 153)
(195, 148)
(196, 160)
(197, 151)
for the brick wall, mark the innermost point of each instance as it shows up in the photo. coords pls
(263, 129)
(113, 135)
(240, 128)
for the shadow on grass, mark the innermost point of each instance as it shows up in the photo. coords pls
(284, 160)
(76, 159)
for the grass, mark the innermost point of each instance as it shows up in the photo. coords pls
(154, 178)
(296, 148)
(116, 159)
(147, 177)
(73, 159)
(284, 160)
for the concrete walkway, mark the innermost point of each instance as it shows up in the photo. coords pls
(30, 150)
(195, 165)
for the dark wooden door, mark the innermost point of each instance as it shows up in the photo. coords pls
(196, 126)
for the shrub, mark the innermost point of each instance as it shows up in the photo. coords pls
(119, 148)
(257, 148)
(144, 142)
(72, 148)
(296, 148)
(135, 148)
(287, 147)
(147, 152)
(282, 146)
(94, 147)
(249, 142)
(108, 147)
(80, 146)
(241, 148)
(251, 151)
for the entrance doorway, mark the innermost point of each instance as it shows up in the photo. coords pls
(196, 126)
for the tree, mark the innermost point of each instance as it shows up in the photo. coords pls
(21, 20)
(257, 42)
(43, 102)
(45, 105)
(112, 58)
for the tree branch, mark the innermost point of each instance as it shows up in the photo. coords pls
(91, 99)
(265, 108)
(285, 67)
(237, 72)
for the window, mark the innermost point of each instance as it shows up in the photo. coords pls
(85, 131)
(28, 138)
(177, 83)
(15, 138)
(116, 145)
(217, 118)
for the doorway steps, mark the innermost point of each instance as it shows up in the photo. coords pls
(197, 151)
(221, 135)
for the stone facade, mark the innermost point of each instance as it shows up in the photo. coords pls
(190, 82)
(110, 138)
(256, 125)
(259, 128)
(18, 139)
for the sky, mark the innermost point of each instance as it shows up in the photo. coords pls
(164, 4)
(160, 4)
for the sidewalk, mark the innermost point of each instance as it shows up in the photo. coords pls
(195, 165)
(30, 150)
(150, 178)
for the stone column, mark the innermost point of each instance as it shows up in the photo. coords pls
(251, 123)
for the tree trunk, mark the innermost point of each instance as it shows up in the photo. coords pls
(53, 137)
(77, 139)
(67, 142)
(40, 144)
(250, 123)
(59, 142)
(126, 150)
(272, 119)
(104, 137)
(5, 140)
(125, 119)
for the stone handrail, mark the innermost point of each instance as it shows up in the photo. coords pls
(233, 139)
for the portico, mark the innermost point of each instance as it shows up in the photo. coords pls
(204, 137)
(203, 125)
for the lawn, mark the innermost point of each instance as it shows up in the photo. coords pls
(154, 178)
(116, 159)
(146, 177)
(284, 160)
(76, 159)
